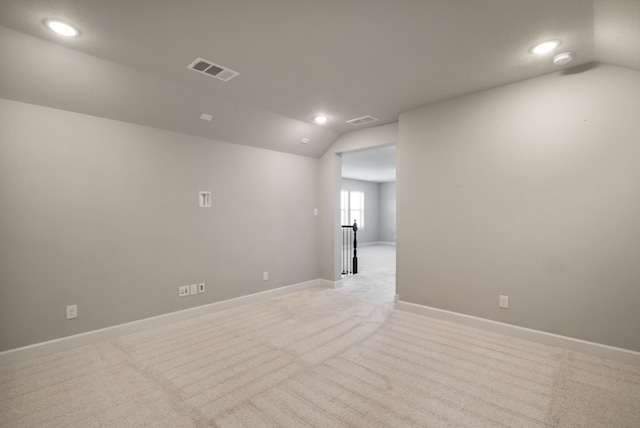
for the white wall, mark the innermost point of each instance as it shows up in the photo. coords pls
(531, 190)
(104, 214)
(387, 208)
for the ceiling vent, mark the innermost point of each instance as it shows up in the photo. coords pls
(205, 66)
(362, 120)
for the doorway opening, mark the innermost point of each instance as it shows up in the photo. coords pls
(368, 198)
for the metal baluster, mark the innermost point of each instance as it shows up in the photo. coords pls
(355, 247)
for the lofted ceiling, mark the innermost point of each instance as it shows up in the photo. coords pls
(295, 58)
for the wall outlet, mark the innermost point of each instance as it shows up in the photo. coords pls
(72, 312)
(503, 301)
(265, 276)
(194, 288)
(201, 287)
(183, 291)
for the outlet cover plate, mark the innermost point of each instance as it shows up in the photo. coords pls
(503, 302)
(72, 312)
(201, 287)
(183, 291)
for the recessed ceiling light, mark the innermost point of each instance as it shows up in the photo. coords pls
(563, 58)
(321, 118)
(545, 47)
(62, 28)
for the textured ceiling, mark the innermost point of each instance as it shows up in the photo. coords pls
(296, 58)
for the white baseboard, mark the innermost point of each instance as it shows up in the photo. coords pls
(371, 244)
(64, 343)
(329, 284)
(568, 343)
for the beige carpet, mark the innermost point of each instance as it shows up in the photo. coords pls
(319, 358)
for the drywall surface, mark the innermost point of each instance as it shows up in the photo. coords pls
(387, 208)
(104, 214)
(76, 81)
(329, 182)
(530, 190)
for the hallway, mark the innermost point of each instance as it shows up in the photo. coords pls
(376, 277)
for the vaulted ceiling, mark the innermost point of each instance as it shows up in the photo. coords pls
(295, 58)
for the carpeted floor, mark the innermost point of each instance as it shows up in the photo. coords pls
(320, 358)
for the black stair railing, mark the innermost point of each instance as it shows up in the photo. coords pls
(350, 249)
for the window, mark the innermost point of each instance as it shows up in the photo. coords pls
(352, 208)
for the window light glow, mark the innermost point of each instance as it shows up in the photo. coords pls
(545, 47)
(62, 28)
(352, 208)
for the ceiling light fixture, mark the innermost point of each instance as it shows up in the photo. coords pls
(545, 47)
(563, 58)
(321, 118)
(62, 28)
(304, 141)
